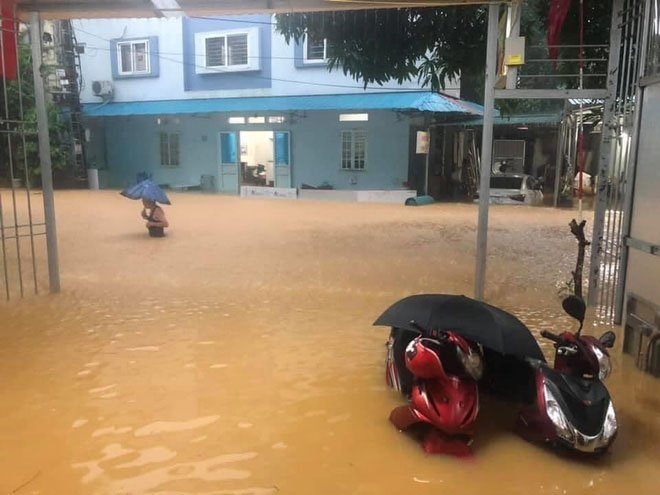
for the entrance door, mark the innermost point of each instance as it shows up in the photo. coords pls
(228, 168)
(282, 154)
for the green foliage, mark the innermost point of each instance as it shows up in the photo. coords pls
(434, 46)
(25, 152)
(376, 46)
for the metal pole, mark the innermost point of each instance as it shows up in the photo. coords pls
(574, 155)
(427, 124)
(559, 159)
(3, 248)
(568, 151)
(486, 150)
(605, 152)
(580, 148)
(44, 155)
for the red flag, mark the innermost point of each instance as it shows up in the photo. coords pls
(556, 17)
(8, 63)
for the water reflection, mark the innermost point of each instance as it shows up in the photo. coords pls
(239, 357)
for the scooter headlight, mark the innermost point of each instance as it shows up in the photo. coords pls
(610, 427)
(604, 363)
(554, 412)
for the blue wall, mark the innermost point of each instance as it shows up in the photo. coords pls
(228, 80)
(316, 149)
(132, 146)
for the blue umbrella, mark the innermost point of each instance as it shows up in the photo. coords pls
(147, 189)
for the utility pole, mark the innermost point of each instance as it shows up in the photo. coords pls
(44, 155)
(486, 151)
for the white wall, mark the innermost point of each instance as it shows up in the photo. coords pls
(645, 221)
(643, 276)
(95, 62)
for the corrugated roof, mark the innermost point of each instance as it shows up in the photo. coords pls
(420, 101)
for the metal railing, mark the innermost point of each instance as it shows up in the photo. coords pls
(541, 71)
(19, 261)
(616, 168)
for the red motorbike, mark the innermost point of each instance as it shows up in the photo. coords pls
(435, 358)
(571, 407)
(462, 343)
(441, 379)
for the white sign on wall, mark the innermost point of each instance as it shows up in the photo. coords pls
(422, 147)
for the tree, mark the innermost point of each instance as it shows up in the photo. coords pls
(375, 46)
(432, 45)
(25, 153)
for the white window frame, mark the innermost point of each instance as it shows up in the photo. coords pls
(352, 132)
(313, 61)
(166, 161)
(132, 44)
(253, 61)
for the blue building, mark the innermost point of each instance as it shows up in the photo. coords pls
(223, 103)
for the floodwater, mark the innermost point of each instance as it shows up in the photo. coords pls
(237, 356)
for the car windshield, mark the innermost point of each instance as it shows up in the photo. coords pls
(505, 182)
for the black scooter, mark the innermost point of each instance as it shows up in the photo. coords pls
(566, 405)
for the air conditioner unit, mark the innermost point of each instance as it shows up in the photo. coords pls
(104, 89)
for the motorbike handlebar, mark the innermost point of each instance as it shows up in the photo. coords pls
(551, 336)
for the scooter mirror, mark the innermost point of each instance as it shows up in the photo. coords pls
(575, 307)
(607, 339)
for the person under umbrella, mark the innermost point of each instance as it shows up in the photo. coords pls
(149, 192)
(156, 221)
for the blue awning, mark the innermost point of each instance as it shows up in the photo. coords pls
(415, 101)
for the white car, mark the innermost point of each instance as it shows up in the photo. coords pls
(515, 189)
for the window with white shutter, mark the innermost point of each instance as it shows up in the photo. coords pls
(227, 51)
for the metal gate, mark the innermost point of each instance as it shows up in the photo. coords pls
(616, 166)
(22, 214)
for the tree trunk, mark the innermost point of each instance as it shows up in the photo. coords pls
(578, 231)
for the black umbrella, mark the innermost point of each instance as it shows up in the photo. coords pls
(476, 321)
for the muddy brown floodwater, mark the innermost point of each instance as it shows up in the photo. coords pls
(237, 356)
